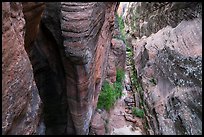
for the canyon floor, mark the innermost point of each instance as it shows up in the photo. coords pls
(120, 119)
(118, 123)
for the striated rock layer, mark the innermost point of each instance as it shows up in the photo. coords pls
(145, 18)
(45, 57)
(87, 32)
(68, 45)
(168, 64)
(20, 99)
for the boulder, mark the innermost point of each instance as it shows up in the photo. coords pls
(97, 125)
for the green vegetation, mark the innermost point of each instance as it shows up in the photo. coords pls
(120, 23)
(152, 80)
(138, 112)
(133, 76)
(146, 126)
(128, 49)
(120, 75)
(121, 28)
(122, 31)
(111, 92)
(106, 98)
(135, 81)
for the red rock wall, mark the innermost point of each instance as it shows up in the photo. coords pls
(45, 57)
(32, 13)
(87, 31)
(116, 59)
(20, 99)
(68, 46)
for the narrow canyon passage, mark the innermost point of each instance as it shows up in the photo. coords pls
(101, 68)
(121, 120)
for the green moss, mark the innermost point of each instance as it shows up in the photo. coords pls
(146, 126)
(120, 75)
(135, 81)
(138, 112)
(154, 81)
(128, 49)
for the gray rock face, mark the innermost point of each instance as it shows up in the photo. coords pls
(128, 100)
(128, 87)
(146, 18)
(169, 67)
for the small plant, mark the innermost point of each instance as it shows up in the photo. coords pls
(152, 80)
(121, 28)
(146, 126)
(120, 23)
(111, 92)
(118, 89)
(120, 75)
(106, 98)
(138, 112)
(129, 54)
(128, 49)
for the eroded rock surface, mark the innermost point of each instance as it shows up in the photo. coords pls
(97, 126)
(68, 45)
(44, 53)
(21, 104)
(117, 53)
(116, 59)
(168, 64)
(149, 17)
(87, 32)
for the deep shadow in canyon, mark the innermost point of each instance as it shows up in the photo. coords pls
(56, 57)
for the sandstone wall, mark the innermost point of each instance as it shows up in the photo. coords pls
(87, 32)
(68, 45)
(21, 104)
(149, 17)
(168, 64)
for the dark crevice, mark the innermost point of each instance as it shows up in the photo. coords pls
(50, 80)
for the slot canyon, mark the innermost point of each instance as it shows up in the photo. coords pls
(101, 68)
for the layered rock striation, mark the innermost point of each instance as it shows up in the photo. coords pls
(168, 63)
(68, 45)
(21, 104)
(149, 17)
(87, 33)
